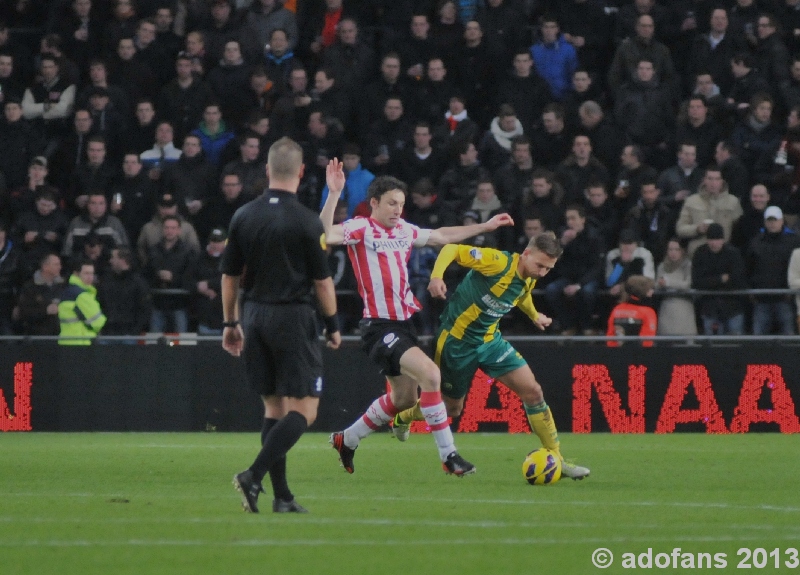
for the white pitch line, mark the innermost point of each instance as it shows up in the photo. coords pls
(571, 541)
(417, 500)
(378, 522)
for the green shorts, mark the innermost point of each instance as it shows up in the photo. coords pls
(458, 361)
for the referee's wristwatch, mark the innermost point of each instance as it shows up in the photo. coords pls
(230, 323)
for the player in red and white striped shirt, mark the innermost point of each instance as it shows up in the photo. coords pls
(379, 248)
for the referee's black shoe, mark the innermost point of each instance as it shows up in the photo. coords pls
(249, 488)
(283, 506)
(345, 453)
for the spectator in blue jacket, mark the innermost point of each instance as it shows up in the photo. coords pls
(555, 58)
(357, 179)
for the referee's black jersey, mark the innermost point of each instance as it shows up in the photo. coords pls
(282, 244)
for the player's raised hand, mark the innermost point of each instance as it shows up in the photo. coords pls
(542, 321)
(334, 176)
(500, 220)
(437, 288)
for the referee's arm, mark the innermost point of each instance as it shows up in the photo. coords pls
(326, 295)
(232, 335)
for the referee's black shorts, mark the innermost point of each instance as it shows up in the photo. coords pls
(282, 352)
(385, 341)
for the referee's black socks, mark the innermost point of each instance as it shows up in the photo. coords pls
(277, 473)
(279, 440)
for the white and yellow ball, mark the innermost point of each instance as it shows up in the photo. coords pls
(541, 467)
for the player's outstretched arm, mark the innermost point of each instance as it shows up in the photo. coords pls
(334, 177)
(436, 286)
(456, 234)
(539, 319)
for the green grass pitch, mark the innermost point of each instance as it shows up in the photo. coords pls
(163, 504)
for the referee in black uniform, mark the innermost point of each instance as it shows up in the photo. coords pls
(279, 244)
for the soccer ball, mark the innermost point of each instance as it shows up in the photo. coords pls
(541, 467)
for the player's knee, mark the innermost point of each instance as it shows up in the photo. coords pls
(454, 410)
(533, 394)
(430, 378)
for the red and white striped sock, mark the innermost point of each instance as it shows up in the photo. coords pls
(379, 413)
(432, 407)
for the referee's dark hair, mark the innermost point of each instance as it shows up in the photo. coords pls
(284, 159)
(383, 184)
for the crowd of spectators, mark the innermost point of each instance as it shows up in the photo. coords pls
(655, 138)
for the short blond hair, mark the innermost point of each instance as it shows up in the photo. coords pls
(284, 159)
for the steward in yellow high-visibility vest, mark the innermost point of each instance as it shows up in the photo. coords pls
(79, 312)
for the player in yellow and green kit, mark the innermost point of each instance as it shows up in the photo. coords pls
(468, 337)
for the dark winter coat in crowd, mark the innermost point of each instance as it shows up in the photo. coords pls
(125, 300)
(746, 228)
(645, 110)
(607, 143)
(772, 59)
(674, 179)
(190, 178)
(182, 106)
(352, 65)
(231, 84)
(34, 298)
(374, 98)
(749, 85)
(20, 142)
(605, 220)
(437, 215)
(86, 179)
(50, 233)
(458, 186)
(138, 202)
(653, 226)
(575, 178)
(736, 176)
(589, 21)
(767, 261)
(512, 185)
(706, 136)
(716, 60)
(396, 135)
(552, 216)
(549, 150)
(477, 79)
(504, 30)
(209, 311)
(528, 96)
(757, 144)
(181, 260)
(628, 55)
(582, 260)
(11, 276)
(708, 269)
(431, 100)
(410, 168)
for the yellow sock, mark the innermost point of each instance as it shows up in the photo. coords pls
(543, 425)
(411, 414)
